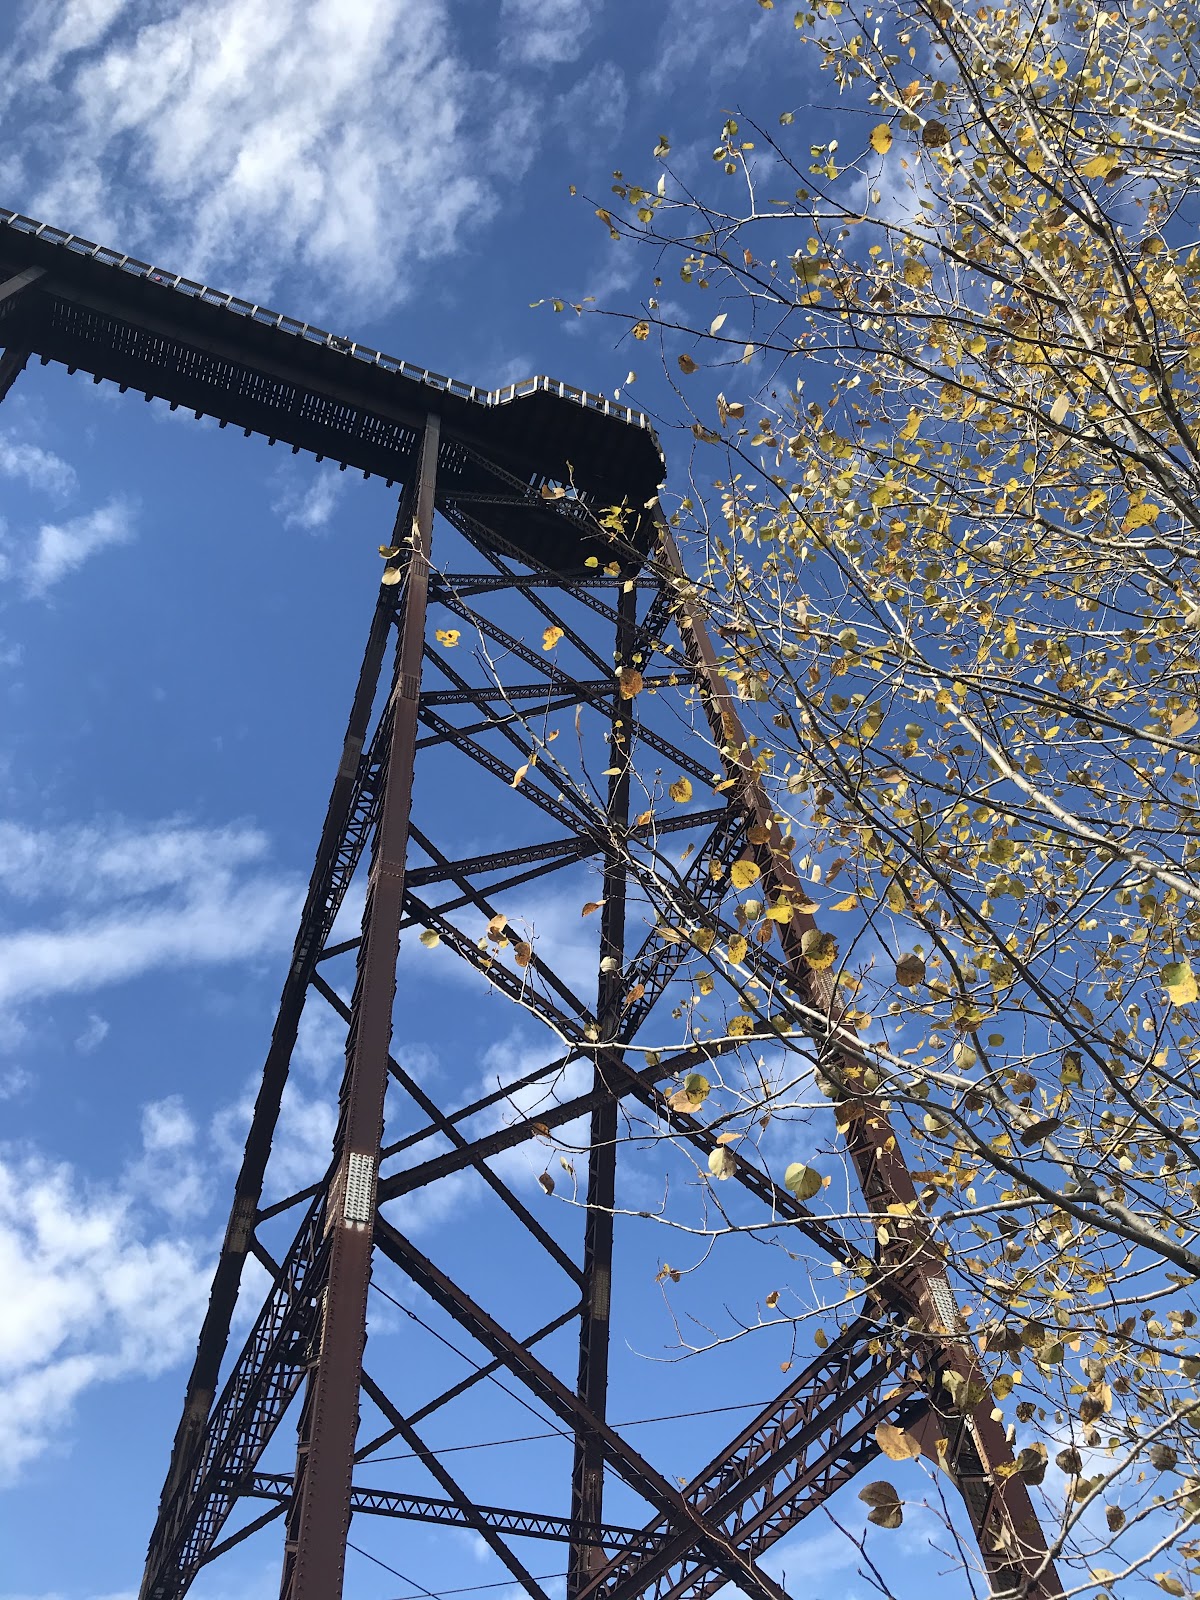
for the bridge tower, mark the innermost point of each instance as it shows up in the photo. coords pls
(534, 644)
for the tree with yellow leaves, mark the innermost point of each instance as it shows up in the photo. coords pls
(946, 512)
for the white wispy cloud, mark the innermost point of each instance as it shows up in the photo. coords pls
(695, 40)
(62, 547)
(97, 861)
(14, 1082)
(346, 138)
(173, 1173)
(592, 112)
(311, 508)
(89, 1298)
(545, 32)
(215, 923)
(41, 469)
(94, 1034)
(132, 901)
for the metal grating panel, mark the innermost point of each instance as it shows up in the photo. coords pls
(360, 1188)
(945, 1304)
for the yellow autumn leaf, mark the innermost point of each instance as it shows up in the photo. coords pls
(447, 637)
(641, 330)
(681, 790)
(848, 904)
(686, 365)
(910, 971)
(703, 939)
(391, 575)
(629, 682)
(881, 138)
(740, 1026)
(896, 1444)
(1139, 516)
(592, 905)
(737, 948)
(1099, 166)
(692, 1095)
(1180, 983)
(803, 1181)
(522, 952)
(912, 427)
(781, 911)
(722, 1163)
(430, 939)
(551, 637)
(1184, 722)
(743, 873)
(497, 925)
(820, 949)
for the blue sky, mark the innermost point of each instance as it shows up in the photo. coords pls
(181, 617)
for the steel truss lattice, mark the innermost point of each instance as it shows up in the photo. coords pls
(564, 612)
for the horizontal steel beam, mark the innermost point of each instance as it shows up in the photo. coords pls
(432, 1508)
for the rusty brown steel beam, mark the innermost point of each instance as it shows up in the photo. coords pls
(12, 364)
(472, 1516)
(319, 1517)
(447, 1512)
(13, 286)
(830, 1408)
(587, 1474)
(584, 689)
(484, 1370)
(555, 675)
(255, 1396)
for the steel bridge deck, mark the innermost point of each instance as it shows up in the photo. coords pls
(65, 299)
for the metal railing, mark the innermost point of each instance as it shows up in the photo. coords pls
(314, 335)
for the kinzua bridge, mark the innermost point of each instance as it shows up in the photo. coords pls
(520, 484)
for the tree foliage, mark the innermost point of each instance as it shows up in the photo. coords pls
(946, 513)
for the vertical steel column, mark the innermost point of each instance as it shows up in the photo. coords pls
(12, 364)
(319, 1515)
(587, 1479)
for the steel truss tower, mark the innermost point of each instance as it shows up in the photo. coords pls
(568, 617)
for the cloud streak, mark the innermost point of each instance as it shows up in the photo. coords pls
(63, 547)
(342, 139)
(163, 897)
(88, 1299)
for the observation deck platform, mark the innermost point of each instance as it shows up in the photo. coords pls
(95, 310)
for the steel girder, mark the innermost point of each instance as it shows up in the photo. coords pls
(505, 488)
(822, 1429)
(820, 1432)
